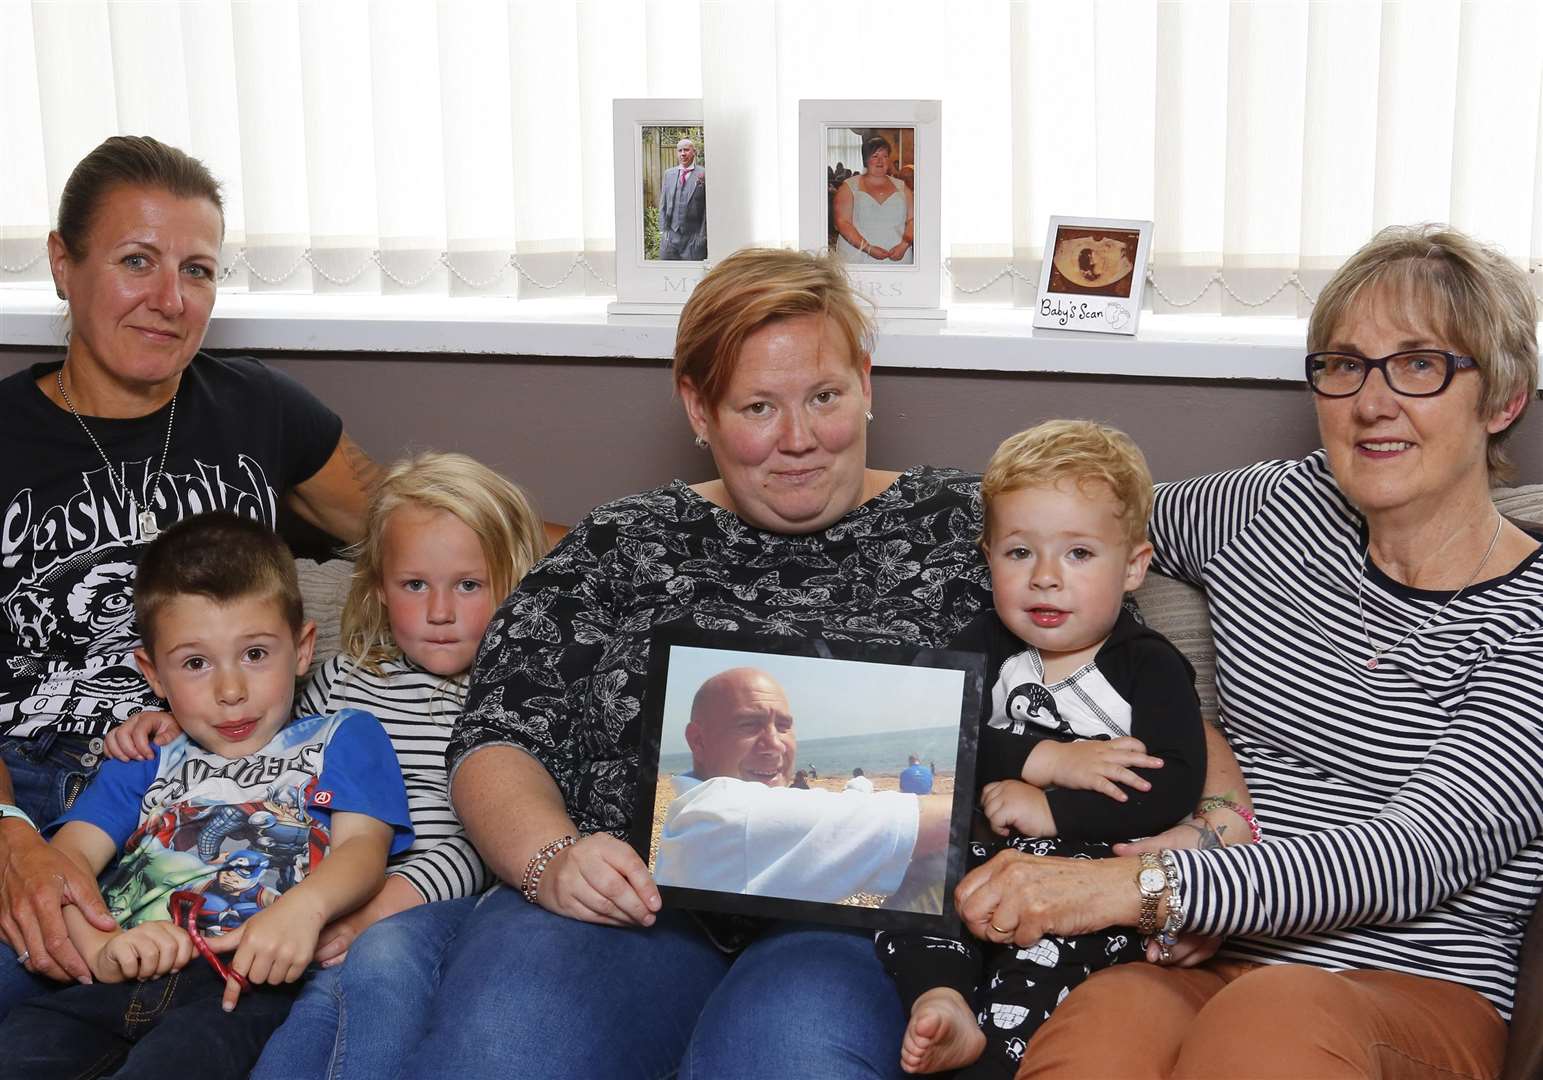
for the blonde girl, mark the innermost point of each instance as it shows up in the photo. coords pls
(446, 539)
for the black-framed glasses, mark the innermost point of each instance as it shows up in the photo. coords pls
(1416, 373)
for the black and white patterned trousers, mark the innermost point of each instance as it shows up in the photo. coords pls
(1012, 990)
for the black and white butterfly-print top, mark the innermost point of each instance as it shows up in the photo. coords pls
(563, 665)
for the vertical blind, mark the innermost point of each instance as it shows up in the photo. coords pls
(464, 146)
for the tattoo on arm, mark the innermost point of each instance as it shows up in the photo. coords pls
(1210, 835)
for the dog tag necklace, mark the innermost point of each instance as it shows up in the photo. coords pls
(1377, 654)
(146, 527)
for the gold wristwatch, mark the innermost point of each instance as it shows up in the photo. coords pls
(1152, 882)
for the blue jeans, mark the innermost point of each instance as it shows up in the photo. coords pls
(362, 1018)
(805, 1001)
(17, 984)
(48, 771)
(527, 993)
(167, 1027)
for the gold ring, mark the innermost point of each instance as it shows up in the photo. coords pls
(998, 929)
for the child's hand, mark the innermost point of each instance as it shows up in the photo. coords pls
(397, 894)
(1100, 765)
(274, 946)
(130, 740)
(148, 951)
(1013, 806)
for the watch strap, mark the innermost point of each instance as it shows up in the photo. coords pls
(11, 810)
(1147, 924)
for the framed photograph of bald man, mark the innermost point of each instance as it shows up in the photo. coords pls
(808, 779)
(661, 203)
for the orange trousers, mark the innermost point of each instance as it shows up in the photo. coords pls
(1228, 1020)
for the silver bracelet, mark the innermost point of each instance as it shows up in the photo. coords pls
(1168, 936)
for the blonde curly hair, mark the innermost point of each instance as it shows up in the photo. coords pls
(1081, 451)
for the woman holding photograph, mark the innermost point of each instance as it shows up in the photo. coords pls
(874, 211)
(796, 538)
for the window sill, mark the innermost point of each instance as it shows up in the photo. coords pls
(973, 338)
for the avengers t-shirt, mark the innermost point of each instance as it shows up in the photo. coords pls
(238, 832)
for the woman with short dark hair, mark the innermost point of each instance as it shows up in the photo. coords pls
(874, 211)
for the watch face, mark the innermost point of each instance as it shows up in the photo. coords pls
(1152, 881)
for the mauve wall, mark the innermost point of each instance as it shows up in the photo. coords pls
(578, 432)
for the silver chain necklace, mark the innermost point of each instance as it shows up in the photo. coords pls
(146, 527)
(1376, 653)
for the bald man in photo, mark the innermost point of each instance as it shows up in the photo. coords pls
(737, 825)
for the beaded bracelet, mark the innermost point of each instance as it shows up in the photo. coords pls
(1217, 802)
(1168, 936)
(531, 881)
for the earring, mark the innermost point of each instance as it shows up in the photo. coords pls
(701, 443)
(60, 293)
(869, 416)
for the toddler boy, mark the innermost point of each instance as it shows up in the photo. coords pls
(265, 830)
(1091, 733)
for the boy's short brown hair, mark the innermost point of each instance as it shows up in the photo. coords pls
(1081, 451)
(222, 557)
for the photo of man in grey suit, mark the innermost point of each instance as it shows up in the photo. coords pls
(683, 207)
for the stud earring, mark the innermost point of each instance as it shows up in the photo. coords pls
(701, 443)
(869, 416)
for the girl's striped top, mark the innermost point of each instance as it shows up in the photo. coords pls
(1402, 806)
(417, 708)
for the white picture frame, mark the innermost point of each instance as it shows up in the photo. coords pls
(905, 288)
(651, 285)
(1093, 275)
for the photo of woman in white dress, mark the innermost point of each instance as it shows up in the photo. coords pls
(873, 211)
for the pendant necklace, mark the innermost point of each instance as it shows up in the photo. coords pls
(1360, 589)
(146, 527)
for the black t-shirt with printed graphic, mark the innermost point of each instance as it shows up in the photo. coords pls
(243, 436)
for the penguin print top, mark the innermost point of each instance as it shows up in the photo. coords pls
(1138, 684)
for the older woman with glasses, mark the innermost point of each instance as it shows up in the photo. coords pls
(1379, 630)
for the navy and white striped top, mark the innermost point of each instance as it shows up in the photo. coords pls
(417, 708)
(1402, 806)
